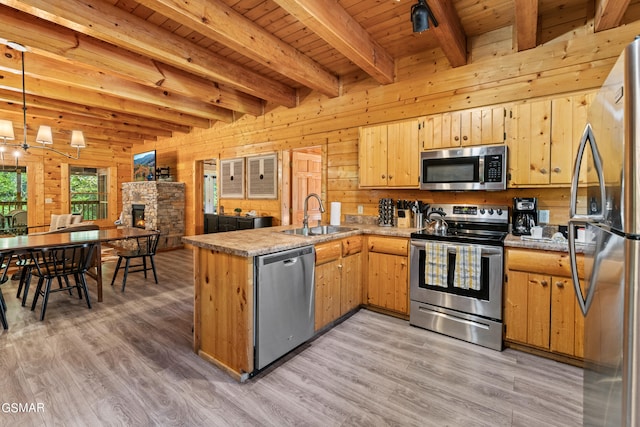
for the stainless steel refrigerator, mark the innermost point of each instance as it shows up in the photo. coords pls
(604, 204)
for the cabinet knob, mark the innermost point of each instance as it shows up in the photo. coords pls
(384, 177)
(464, 138)
(339, 265)
(457, 138)
(390, 176)
(543, 171)
(543, 283)
(560, 284)
(557, 170)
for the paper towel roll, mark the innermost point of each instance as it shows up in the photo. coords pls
(335, 213)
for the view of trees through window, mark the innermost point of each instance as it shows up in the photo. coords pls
(13, 189)
(88, 192)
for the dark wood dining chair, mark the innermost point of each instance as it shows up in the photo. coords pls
(5, 260)
(61, 263)
(145, 248)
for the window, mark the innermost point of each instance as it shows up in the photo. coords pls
(13, 189)
(89, 192)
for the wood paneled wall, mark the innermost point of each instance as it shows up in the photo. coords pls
(573, 59)
(47, 179)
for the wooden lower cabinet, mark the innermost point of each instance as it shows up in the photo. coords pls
(388, 273)
(338, 279)
(540, 306)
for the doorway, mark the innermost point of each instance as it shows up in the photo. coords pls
(305, 175)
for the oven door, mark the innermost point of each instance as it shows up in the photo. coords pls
(485, 300)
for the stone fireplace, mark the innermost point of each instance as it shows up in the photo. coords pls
(156, 205)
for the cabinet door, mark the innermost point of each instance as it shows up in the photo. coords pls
(430, 134)
(351, 283)
(388, 282)
(451, 129)
(327, 305)
(567, 321)
(515, 306)
(372, 156)
(403, 154)
(487, 126)
(568, 119)
(227, 223)
(538, 310)
(530, 148)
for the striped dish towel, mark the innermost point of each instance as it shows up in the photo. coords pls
(467, 274)
(436, 264)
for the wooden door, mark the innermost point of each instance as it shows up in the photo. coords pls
(327, 304)
(451, 129)
(487, 126)
(306, 171)
(372, 156)
(403, 154)
(388, 282)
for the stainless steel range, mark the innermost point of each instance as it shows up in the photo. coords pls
(457, 277)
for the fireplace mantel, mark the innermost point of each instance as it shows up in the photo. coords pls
(164, 203)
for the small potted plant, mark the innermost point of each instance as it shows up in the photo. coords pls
(237, 211)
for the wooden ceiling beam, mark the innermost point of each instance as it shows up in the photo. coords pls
(526, 24)
(10, 100)
(99, 19)
(217, 21)
(62, 44)
(609, 13)
(449, 32)
(330, 21)
(41, 116)
(91, 99)
(49, 70)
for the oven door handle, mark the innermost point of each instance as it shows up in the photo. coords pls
(451, 248)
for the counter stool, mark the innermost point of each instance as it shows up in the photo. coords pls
(62, 263)
(5, 260)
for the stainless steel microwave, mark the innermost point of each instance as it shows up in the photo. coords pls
(469, 168)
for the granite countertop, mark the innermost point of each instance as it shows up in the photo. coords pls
(540, 244)
(267, 240)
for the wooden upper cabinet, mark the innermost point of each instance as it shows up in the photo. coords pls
(478, 126)
(372, 156)
(544, 140)
(389, 155)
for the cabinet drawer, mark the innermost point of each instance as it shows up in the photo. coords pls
(388, 245)
(327, 252)
(549, 263)
(351, 245)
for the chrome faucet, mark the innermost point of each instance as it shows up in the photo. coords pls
(305, 217)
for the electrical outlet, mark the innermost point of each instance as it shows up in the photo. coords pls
(48, 200)
(360, 209)
(543, 217)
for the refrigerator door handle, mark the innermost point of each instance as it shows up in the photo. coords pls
(587, 138)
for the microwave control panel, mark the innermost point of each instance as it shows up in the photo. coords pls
(493, 168)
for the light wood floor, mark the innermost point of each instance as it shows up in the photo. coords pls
(128, 361)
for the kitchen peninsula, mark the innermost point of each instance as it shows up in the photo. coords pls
(224, 286)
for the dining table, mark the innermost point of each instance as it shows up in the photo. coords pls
(24, 243)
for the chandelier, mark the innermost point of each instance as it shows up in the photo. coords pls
(44, 135)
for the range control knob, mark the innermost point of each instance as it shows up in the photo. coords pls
(482, 211)
(499, 211)
(490, 211)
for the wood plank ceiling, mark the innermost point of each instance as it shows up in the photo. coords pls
(125, 71)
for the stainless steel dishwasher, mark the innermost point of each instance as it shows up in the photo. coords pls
(284, 303)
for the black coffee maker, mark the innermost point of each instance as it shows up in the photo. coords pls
(524, 215)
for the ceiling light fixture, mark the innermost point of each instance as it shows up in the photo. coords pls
(44, 135)
(420, 14)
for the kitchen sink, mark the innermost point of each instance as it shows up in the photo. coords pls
(318, 231)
